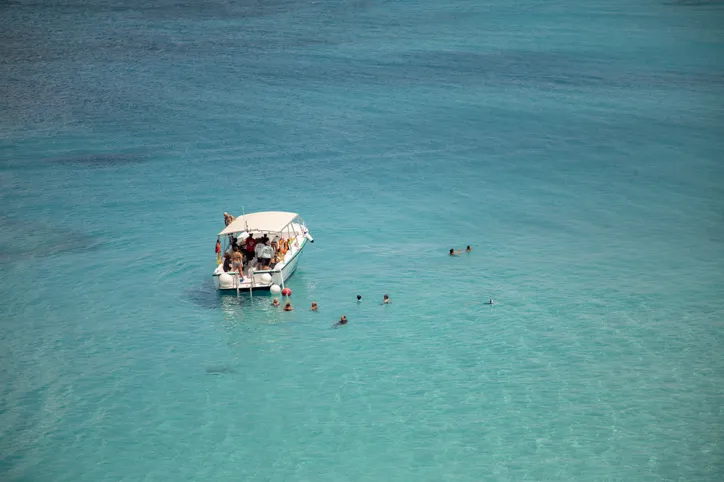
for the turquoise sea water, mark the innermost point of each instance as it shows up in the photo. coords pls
(577, 146)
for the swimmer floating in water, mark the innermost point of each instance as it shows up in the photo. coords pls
(359, 298)
(454, 253)
(275, 302)
(314, 306)
(288, 306)
(342, 321)
(386, 300)
(468, 249)
(490, 302)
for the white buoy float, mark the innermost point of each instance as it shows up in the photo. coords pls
(225, 280)
(275, 289)
(266, 278)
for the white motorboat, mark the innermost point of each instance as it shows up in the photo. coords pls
(287, 229)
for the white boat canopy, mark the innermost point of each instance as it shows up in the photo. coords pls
(269, 221)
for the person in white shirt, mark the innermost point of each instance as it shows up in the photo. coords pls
(257, 252)
(267, 253)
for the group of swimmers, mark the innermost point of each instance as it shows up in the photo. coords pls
(467, 250)
(315, 307)
(457, 253)
(385, 300)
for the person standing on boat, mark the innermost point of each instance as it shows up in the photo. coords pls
(267, 253)
(257, 252)
(249, 246)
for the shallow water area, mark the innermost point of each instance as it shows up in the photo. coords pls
(575, 147)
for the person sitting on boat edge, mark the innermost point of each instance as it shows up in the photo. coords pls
(282, 249)
(228, 219)
(227, 262)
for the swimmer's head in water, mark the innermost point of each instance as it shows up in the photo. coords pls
(343, 320)
(452, 250)
(359, 297)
